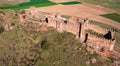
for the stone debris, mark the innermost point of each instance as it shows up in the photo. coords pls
(91, 61)
(116, 63)
(8, 27)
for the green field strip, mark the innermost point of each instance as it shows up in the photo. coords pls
(70, 3)
(112, 16)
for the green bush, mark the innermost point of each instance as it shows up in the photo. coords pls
(44, 45)
(2, 29)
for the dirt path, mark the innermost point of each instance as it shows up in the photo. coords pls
(82, 10)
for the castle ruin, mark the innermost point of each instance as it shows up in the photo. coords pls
(76, 25)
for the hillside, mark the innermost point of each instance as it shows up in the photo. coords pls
(21, 47)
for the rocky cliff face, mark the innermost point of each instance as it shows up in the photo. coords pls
(13, 1)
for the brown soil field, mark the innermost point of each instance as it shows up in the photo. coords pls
(82, 10)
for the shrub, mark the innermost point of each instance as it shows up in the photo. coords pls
(2, 29)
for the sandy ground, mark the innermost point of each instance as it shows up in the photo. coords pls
(82, 10)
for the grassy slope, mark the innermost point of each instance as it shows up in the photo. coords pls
(114, 4)
(61, 49)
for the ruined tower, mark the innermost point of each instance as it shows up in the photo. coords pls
(82, 27)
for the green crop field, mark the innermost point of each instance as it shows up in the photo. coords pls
(70, 3)
(36, 3)
(112, 16)
(113, 4)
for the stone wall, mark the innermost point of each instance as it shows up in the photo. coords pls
(100, 43)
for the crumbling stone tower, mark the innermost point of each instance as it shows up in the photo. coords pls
(82, 27)
(75, 25)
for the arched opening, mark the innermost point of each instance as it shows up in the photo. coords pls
(65, 20)
(86, 37)
(80, 26)
(108, 35)
(46, 19)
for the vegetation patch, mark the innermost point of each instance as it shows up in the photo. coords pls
(65, 16)
(95, 33)
(2, 29)
(112, 16)
(70, 3)
(36, 3)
